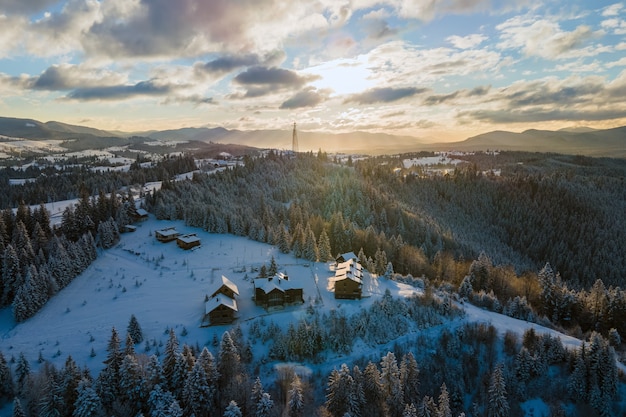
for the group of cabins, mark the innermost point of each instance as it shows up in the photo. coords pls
(276, 291)
(186, 242)
(272, 292)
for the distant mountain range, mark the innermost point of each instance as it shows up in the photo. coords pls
(585, 141)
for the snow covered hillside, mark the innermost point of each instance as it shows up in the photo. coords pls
(164, 286)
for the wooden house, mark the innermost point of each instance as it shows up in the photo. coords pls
(140, 215)
(188, 241)
(276, 291)
(344, 257)
(348, 280)
(220, 309)
(166, 235)
(223, 286)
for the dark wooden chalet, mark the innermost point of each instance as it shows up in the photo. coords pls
(220, 309)
(167, 235)
(348, 280)
(188, 241)
(276, 291)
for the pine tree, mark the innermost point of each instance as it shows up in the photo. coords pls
(129, 346)
(443, 408)
(273, 268)
(310, 251)
(207, 361)
(409, 375)
(70, 377)
(324, 248)
(498, 405)
(373, 391)
(22, 375)
(169, 360)
(295, 405)
(232, 410)
(6, 379)
(409, 411)
(108, 381)
(17, 408)
(133, 388)
(88, 403)
(162, 403)
(392, 385)
(153, 373)
(229, 368)
(11, 275)
(264, 406)
(197, 394)
(427, 407)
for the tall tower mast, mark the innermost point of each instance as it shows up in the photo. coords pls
(294, 139)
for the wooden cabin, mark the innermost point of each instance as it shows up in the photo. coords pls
(220, 309)
(188, 241)
(349, 280)
(277, 291)
(140, 215)
(166, 235)
(223, 286)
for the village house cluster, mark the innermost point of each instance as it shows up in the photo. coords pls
(272, 292)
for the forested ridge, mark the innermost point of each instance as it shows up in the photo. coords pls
(571, 216)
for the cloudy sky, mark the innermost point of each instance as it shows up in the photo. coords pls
(436, 69)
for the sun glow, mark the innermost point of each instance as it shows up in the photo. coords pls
(342, 76)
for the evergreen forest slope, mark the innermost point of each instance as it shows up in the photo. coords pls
(569, 211)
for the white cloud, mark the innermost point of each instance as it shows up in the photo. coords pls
(466, 42)
(613, 10)
(619, 63)
(545, 38)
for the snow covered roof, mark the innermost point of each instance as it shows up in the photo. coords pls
(351, 270)
(170, 231)
(275, 282)
(223, 281)
(189, 238)
(218, 300)
(141, 212)
(347, 256)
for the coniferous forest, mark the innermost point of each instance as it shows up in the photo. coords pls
(542, 240)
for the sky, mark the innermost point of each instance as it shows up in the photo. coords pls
(435, 69)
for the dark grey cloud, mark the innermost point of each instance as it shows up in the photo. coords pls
(479, 91)
(25, 6)
(271, 76)
(309, 97)
(228, 63)
(440, 98)
(53, 78)
(120, 92)
(564, 95)
(260, 81)
(384, 95)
